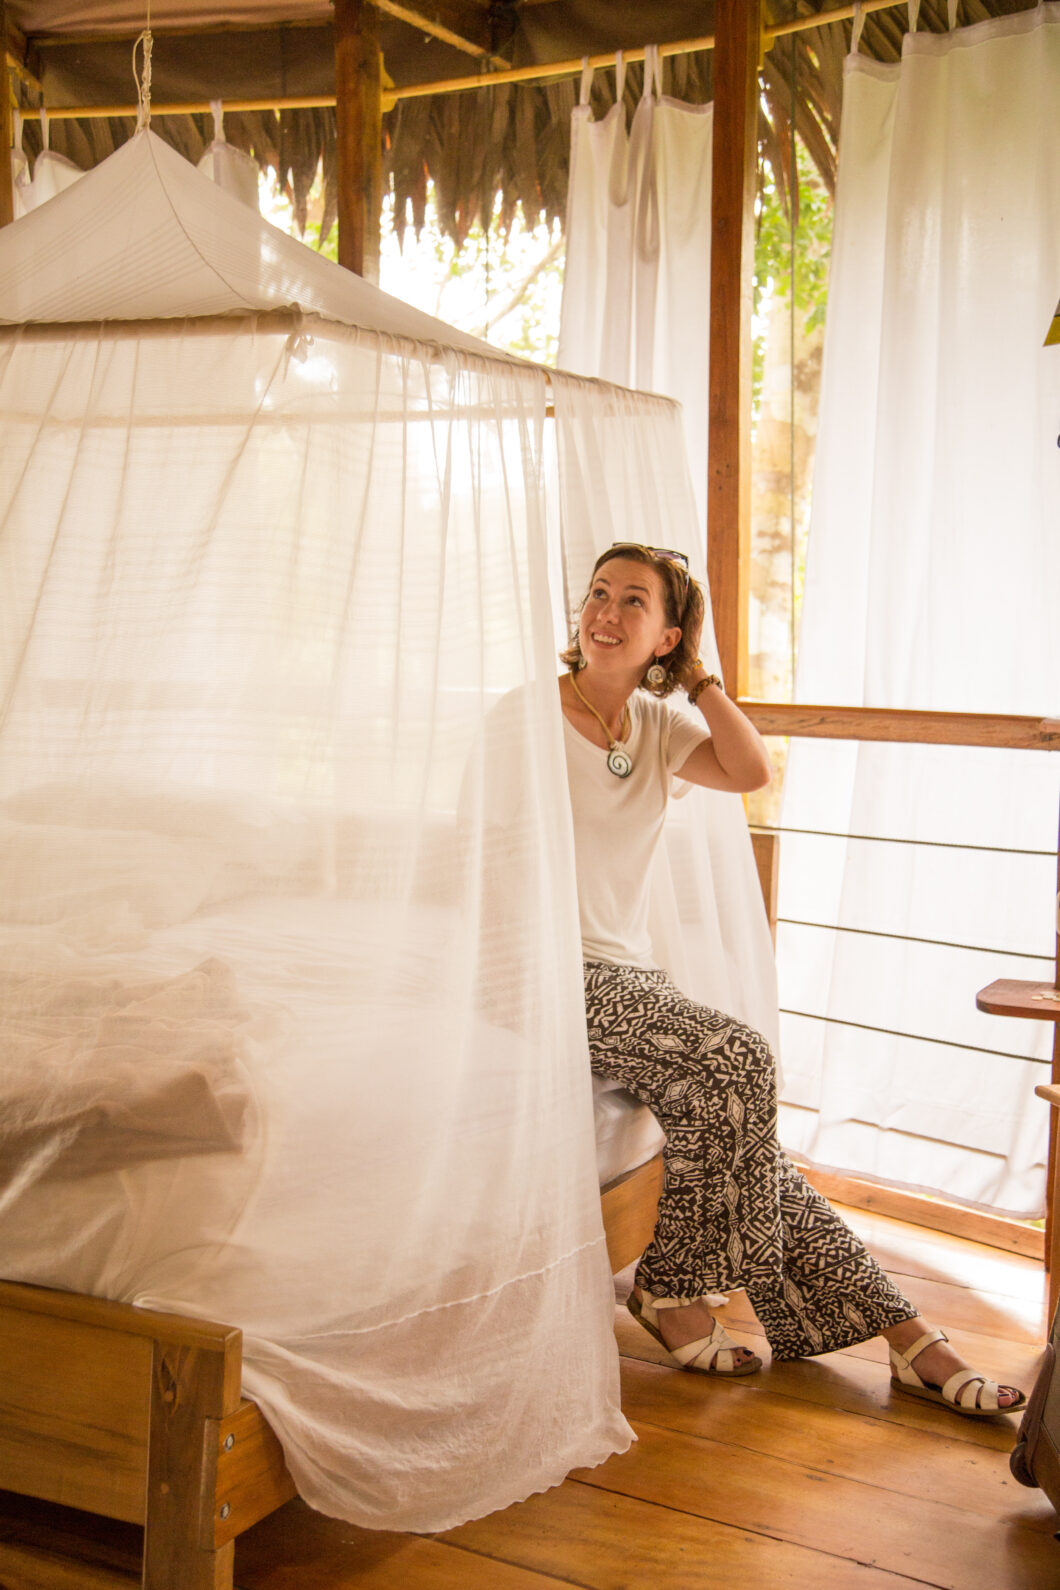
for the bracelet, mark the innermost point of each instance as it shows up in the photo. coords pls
(698, 688)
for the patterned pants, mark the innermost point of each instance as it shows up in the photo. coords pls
(734, 1211)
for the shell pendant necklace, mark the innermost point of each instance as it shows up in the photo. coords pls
(619, 761)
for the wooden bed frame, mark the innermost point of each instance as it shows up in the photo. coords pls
(139, 1416)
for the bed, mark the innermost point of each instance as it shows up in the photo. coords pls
(298, 553)
(139, 1415)
(156, 1012)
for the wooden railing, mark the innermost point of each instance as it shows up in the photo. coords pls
(1005, 731)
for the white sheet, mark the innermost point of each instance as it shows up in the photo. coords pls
(204, 1235)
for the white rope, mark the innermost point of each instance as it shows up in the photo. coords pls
(951, 10)
(859, 23)
(587, 82)
(143, 88)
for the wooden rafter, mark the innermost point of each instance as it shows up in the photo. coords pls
(438, 28)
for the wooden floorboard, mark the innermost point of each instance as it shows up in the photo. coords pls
(939, 1543)
(932, 1465)
(297, 1549)
(608, 1541)
(813, 1475)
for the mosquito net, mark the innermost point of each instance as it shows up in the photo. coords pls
(293, 1032)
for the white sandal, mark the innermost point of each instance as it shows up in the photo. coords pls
(983, 1403)
(710, 1355)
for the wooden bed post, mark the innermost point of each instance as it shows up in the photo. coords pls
(7, 196)
(737, 30)
(359, 134)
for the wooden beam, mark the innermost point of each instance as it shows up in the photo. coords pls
(912, 728)
(436, 28)
(737, 42)
(7, 192)
(766, 847)
(975, 1225)
(359, 135)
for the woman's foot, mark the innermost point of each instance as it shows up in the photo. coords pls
(693, 1322)
(937, 1363)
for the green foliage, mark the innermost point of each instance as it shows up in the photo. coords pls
(504, 285)
(774, 248)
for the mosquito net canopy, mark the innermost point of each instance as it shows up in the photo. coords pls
(293, 1033)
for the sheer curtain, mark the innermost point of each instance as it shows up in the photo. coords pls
(636, 298)
(272, 582)
(625, 478)
(636, 286)
(932, 581)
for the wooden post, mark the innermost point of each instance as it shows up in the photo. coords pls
(737, 32)
(359, 135)
(7, 194)
(1052, 1213)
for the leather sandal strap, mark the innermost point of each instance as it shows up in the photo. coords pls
(985, 1396)
(708, 1348)
(907, 1354)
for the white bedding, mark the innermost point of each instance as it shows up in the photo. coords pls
(232, 1235)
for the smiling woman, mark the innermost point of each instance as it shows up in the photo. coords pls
(734, 1212)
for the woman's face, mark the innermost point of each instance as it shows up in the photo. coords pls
(623, 623)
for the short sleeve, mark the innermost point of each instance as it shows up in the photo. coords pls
(684, 733)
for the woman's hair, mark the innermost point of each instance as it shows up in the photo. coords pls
(684, 604)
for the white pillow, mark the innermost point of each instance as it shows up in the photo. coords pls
(49, 873)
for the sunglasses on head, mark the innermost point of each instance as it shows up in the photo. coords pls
(666, 553)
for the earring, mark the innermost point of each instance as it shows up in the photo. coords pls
(656, 675)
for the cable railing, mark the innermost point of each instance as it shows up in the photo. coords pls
(875, 724)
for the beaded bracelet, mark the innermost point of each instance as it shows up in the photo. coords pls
(701, 684)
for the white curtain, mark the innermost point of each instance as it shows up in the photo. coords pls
(292, 1016)
(636, 285)
(52, 173)
(626, 479)
(636, 301)
(932, 582)
(232, 169)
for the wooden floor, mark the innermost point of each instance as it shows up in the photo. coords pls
(807, 1475)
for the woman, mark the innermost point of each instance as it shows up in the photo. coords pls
(734, 1211)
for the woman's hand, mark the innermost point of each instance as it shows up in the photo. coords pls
(735, 757)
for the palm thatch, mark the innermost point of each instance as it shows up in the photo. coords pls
(513, 140)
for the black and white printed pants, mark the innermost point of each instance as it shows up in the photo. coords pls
(734, 1211)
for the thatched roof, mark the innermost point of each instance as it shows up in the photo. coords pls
(510, 138)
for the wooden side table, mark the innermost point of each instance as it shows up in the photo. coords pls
(1038, 1002)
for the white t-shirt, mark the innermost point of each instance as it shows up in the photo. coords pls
(617, 824)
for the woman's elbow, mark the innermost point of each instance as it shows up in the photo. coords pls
(761, 774)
